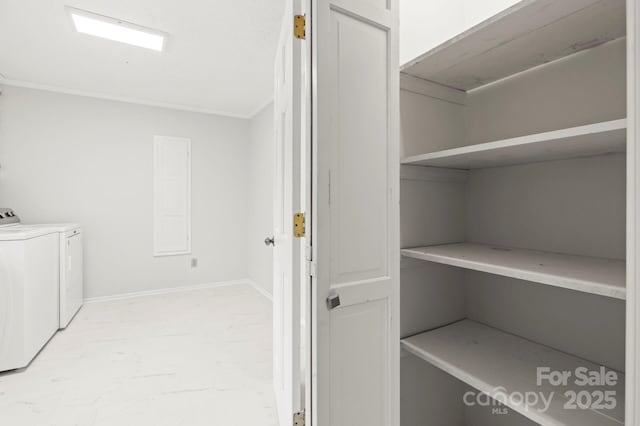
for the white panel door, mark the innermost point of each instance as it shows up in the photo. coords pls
(288, 251)
(355, 341)
(171, 196)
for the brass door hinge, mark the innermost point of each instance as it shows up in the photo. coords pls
(298, 418)
(298, 225)
(299, 24)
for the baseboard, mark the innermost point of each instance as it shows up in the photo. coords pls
(169, 290)
(260, 290)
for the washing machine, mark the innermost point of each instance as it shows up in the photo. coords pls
(29, 290)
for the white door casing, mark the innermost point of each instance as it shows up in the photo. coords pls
(632, 403)
(288, 251)
(355, 131)
(306, 203)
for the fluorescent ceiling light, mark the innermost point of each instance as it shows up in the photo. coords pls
(117, 30)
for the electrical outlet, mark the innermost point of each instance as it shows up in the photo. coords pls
(194, 262)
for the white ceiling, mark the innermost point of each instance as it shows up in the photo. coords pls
(219, 56)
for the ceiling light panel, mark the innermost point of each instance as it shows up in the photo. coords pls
(117, 30)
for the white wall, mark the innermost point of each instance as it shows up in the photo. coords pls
(261, 199)
(424, 24)
(68, 158)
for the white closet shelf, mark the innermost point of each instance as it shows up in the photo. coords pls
(603, 277)
(495, 362)
(582, 141)
(528, 34)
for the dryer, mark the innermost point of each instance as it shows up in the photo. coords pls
(71, 270)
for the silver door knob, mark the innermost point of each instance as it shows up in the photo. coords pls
(269, 241)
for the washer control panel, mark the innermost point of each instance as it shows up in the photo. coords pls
(8, 217)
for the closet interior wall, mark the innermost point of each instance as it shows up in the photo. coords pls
(572, 206)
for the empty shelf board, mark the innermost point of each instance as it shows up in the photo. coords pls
(528, 34)
(582, 141)
(605, 277)
(498, 363)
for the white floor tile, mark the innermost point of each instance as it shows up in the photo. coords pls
(193, 358)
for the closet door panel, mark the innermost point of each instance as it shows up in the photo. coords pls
(356, 209)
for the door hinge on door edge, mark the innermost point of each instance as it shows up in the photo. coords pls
(298, 418)
(298, 225)
(299, 27)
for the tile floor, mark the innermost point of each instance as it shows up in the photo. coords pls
(193, 358)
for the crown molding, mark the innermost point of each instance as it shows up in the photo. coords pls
(98, 95)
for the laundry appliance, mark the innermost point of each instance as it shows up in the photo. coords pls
(71, 272)
(29, 290)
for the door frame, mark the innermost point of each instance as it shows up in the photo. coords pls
(306, 182)
(632, 403)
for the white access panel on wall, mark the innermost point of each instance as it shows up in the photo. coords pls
(355, 213)
(171, 196)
